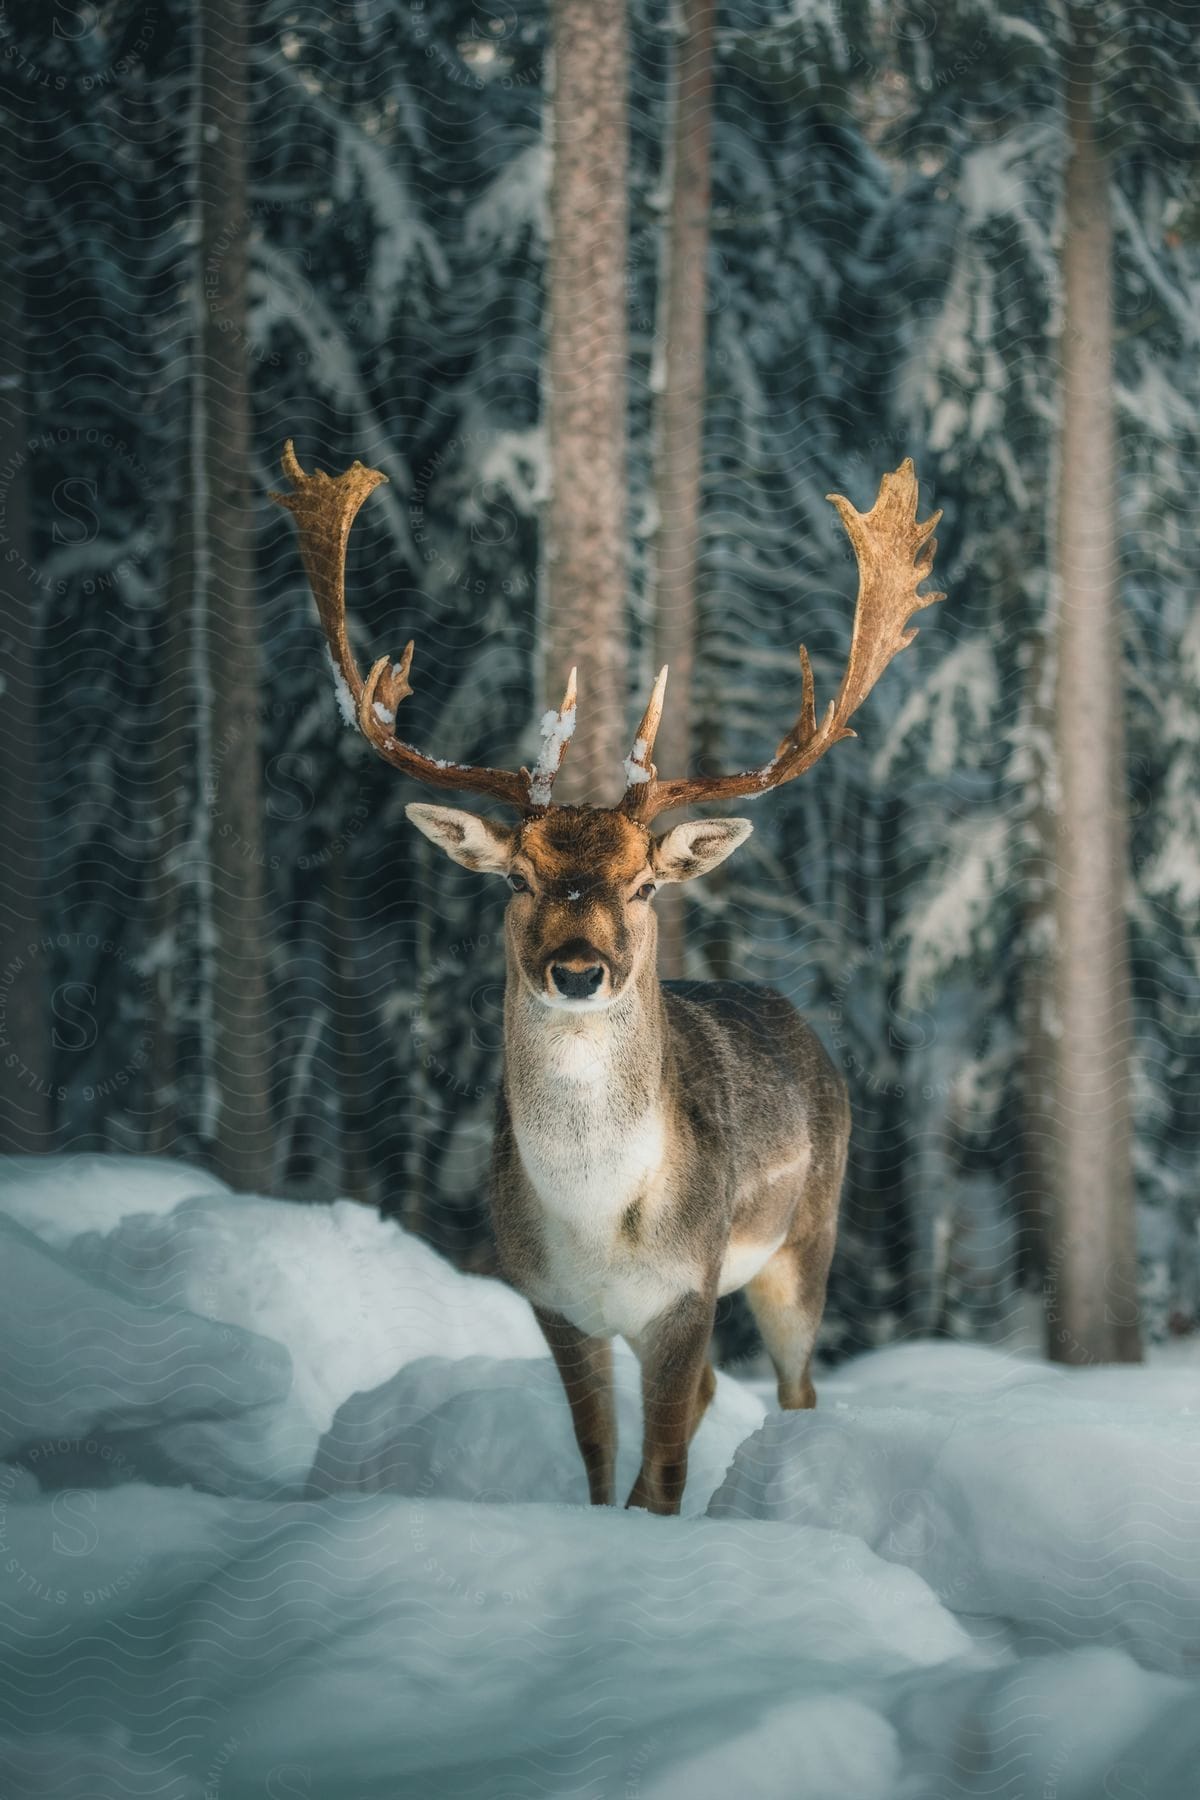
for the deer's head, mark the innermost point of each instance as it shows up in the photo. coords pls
(579, 922)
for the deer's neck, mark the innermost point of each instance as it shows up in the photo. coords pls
(585, 1093)
(614, 1055)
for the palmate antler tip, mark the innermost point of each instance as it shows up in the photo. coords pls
(899, 481)
(360, 468)
(358, 478)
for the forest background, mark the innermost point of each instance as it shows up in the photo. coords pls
(221, 939)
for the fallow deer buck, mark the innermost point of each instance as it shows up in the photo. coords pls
(658, 1144)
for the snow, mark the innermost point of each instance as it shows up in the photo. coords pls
(961, 687)
(316, 1530)
(59, 1197)
(514, 462)
(352, 1298)
(513, 206)
(634, 765)
(79, 1359)
(365, 174)
(556, 730)
(951, 914)
(488, 1426)
(341, 688)
(1016, 1490)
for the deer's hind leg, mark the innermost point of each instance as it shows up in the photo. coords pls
(787, 1298)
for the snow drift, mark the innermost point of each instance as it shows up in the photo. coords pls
(288, 1507)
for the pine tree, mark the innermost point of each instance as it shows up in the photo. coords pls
(978, 125)
(883, 278)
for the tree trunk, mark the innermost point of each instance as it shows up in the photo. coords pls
(241, 1070)
(1036, 1012)
(25, 1115)
(585, 556)
(359, 1050)
(679, 420)
(174, 796)
(1092, 1283)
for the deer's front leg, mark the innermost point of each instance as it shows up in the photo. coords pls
(585, 1364)
(674, 1357)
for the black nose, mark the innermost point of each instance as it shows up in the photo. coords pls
(576, 984)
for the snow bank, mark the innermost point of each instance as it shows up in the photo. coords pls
(494, 1431)
(75, 1768)
(351, 1296)
(382, 1646)
(58, 1197)
(965, 1575)
(82, 1364)
(1064, 1503)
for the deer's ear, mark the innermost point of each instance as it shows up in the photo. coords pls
(696, 847)
(474, 842)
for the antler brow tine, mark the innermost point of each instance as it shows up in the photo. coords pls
(558, 728)
(639, 769)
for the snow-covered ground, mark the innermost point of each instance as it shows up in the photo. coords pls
(289, 1508)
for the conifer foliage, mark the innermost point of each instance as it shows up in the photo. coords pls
(883, 277)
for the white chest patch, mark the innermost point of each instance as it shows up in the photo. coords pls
(603, 1291)
(586, 1175)
(587, 1163)
(586, 1170)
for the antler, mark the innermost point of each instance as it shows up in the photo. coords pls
(895, 555)
(324, 508)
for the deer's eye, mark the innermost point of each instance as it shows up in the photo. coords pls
(647, 889)
(518, 884)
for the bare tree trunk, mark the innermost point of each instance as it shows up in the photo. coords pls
(1092, 1287)
(1037, 1016)
(173, 800)
(585, 557)
(25, 1117)
(679, 419)
(357, 1057)
(225, 549)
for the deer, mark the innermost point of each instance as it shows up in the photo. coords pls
(657, 1144)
